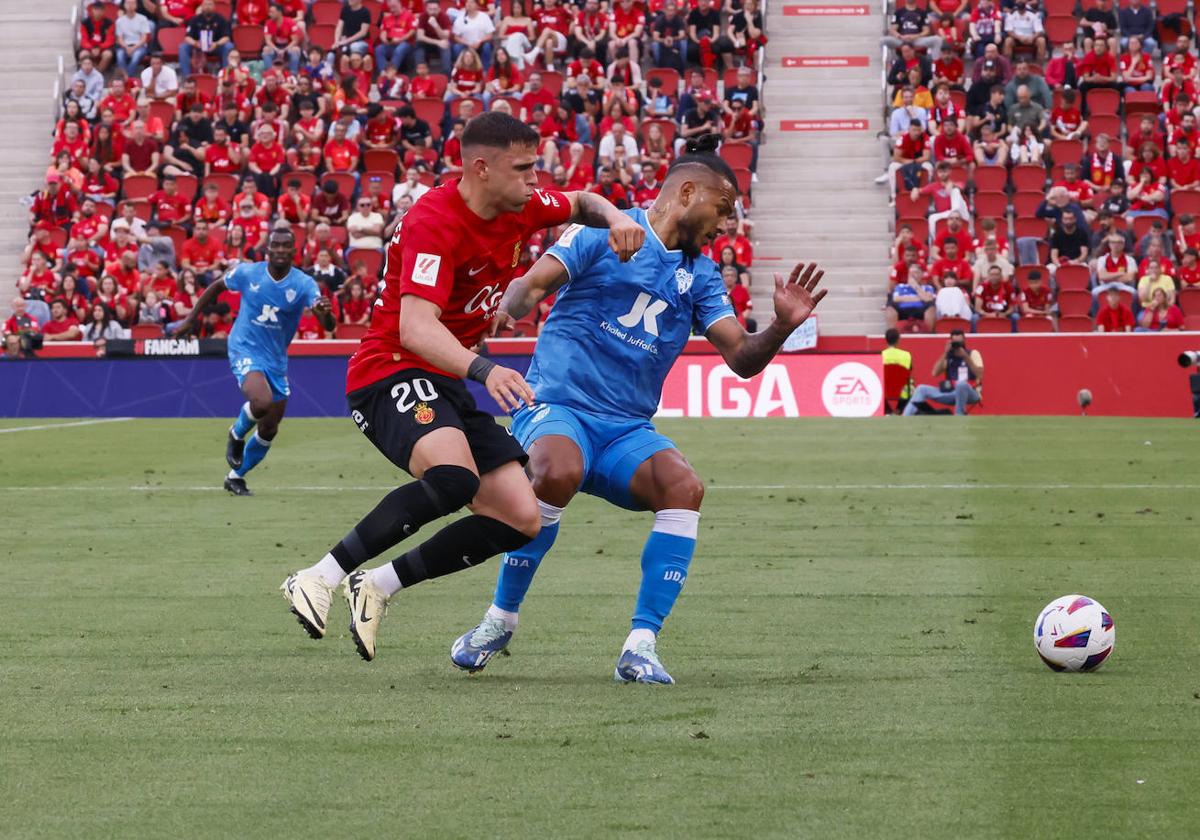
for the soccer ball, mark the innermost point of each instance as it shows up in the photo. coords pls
(1074, 633)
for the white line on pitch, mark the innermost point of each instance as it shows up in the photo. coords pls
(377, 488)
(97, 421)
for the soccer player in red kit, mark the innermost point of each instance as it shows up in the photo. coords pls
(447, 268)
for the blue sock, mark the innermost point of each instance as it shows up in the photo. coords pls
(665, 561)
(256, 450)
(518, 567)
(244, 423)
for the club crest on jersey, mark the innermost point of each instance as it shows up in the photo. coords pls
(683, 280)
(516, 253)
(423, 414)
(290, 294)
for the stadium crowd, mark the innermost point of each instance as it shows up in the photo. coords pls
(192, 127)
(1042, 160)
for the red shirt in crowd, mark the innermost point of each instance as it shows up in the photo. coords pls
(953, 148)
(1115, 320)
(995, 298)
(1183, 173)
(170, 208)
(201, 255)
(447, 255)
(558, 19)
(341, 155)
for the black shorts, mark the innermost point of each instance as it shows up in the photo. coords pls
(396, 412)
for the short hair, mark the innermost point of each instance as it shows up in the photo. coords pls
(497, 130)
(702, 151)
(892, 337)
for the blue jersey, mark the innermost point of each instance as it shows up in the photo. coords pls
(617, 328)
(269, 314)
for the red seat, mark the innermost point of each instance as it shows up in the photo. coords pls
(206, 83)
(381, 160)
(387, 180)
(141, 209)
(1075, 323)
(248, 40)
(1028, 177)
(1191, 323)
(165, 111)
(227, 185)
(990, 178)
(1066, 151)
(1109, 124)
(326, 12)
(1171, 7)
(187, 185)
(1058, 8)
(993, 325)
(895, 379)
(1189, 299)
(1021, 275)
(169, 38)
(744, 177)
(730, 78)
(1027, 227)
(1185, 201)
(1141, 102)
(1074, 278)
(1060, 28)
(670, 79)
(1074, 302)
(308, 181)
(946, 325)
(428, 109)
(1144, 224)
(351, 332)
(992, 205)
(321, 35)
(1025, 204)
(1035, 324)
(1103, 101)
(344, 181)
(737, 155)
(905, 206)
(552, 81)
(371, 258)
(919, 225)
(136, 187)
(959, 98)
(667, 127)
(176, 234)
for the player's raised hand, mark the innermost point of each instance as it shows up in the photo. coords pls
(500, 322)
(508, 388)
(796, 299)
(322, 306)
(625, 237)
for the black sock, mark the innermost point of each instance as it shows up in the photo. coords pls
(399, 515)
(460, 545)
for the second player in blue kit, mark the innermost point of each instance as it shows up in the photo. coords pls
(274, 296)
(597, 375)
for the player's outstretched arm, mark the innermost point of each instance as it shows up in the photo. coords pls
(625, 236)
(422, 333)
(524, 293)
(748, 353)
(206, 297)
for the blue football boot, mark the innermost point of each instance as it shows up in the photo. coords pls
(642, 665)
(475, 648)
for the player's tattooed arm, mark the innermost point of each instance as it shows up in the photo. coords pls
(748, 353)
(625, 236)
(206, 298)
(524, 293)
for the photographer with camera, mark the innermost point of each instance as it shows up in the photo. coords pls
(961, 373)
(22, 332)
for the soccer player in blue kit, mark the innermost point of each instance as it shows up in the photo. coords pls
(597, 374)
(274, 296)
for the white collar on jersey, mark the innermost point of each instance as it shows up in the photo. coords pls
(664, 248)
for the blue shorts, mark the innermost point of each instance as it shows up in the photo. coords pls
(242, 365)
(612, 448)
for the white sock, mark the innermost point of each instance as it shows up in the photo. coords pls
(509, 618)
(328, 569)
(637, 636)
(233, 474)
(385, 578)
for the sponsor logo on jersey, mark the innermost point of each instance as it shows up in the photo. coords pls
(425, 269)
(423, 414)
(683, 280)
(269, 314)
(546, 198)
(645, 310)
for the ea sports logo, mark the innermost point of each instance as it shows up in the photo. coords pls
(851, 389)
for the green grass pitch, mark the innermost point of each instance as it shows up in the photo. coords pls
(853, 649)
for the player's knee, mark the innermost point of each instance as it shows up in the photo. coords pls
(525, 516)
(451, 487)
(556, 482)
(684, 492)
(260, 406)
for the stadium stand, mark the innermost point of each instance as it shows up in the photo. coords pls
(1080, 149)
(184, 137)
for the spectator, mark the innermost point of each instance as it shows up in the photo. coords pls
(898, 128)
(669, 44)
(985, 29)
(611, 190)
(1136, 67)
(946, 195)
(283, 39)
(905, 65)
(159, 80)
(961, 373)
(739, 296)
(743, 251)
(473, 30)
(141, 155)
(352, 32)
(365, 227)
(397, 36)
(1137, 21)
(1098, 69)
(990, 149)
(329, 206)
(1116, 269)
(1189, 269)
(102, 325)
(949, 263)
(63, 325)
(1036, 86)
(1147, 197)
(908, 255)
(1155, 280)
(745, 32)
(208, 34)
(911, 300)
(1069, 243)
(1036, 299)
(910, 27)
(990, 257)
(1099, 23)
(995, 298)
(97, 37)
(1101, 166)
(1183, 170)
(1066, 120)
(1062, 71)
(705, 41)
(411, 186)
(703, 119)
(949, 146)
(1028, 122)
(433, 35)
(1161, 314)
(133, 32)
(554, 24)
(77, 93)
(1115, 315)
(1023, 27)
(93, 79)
